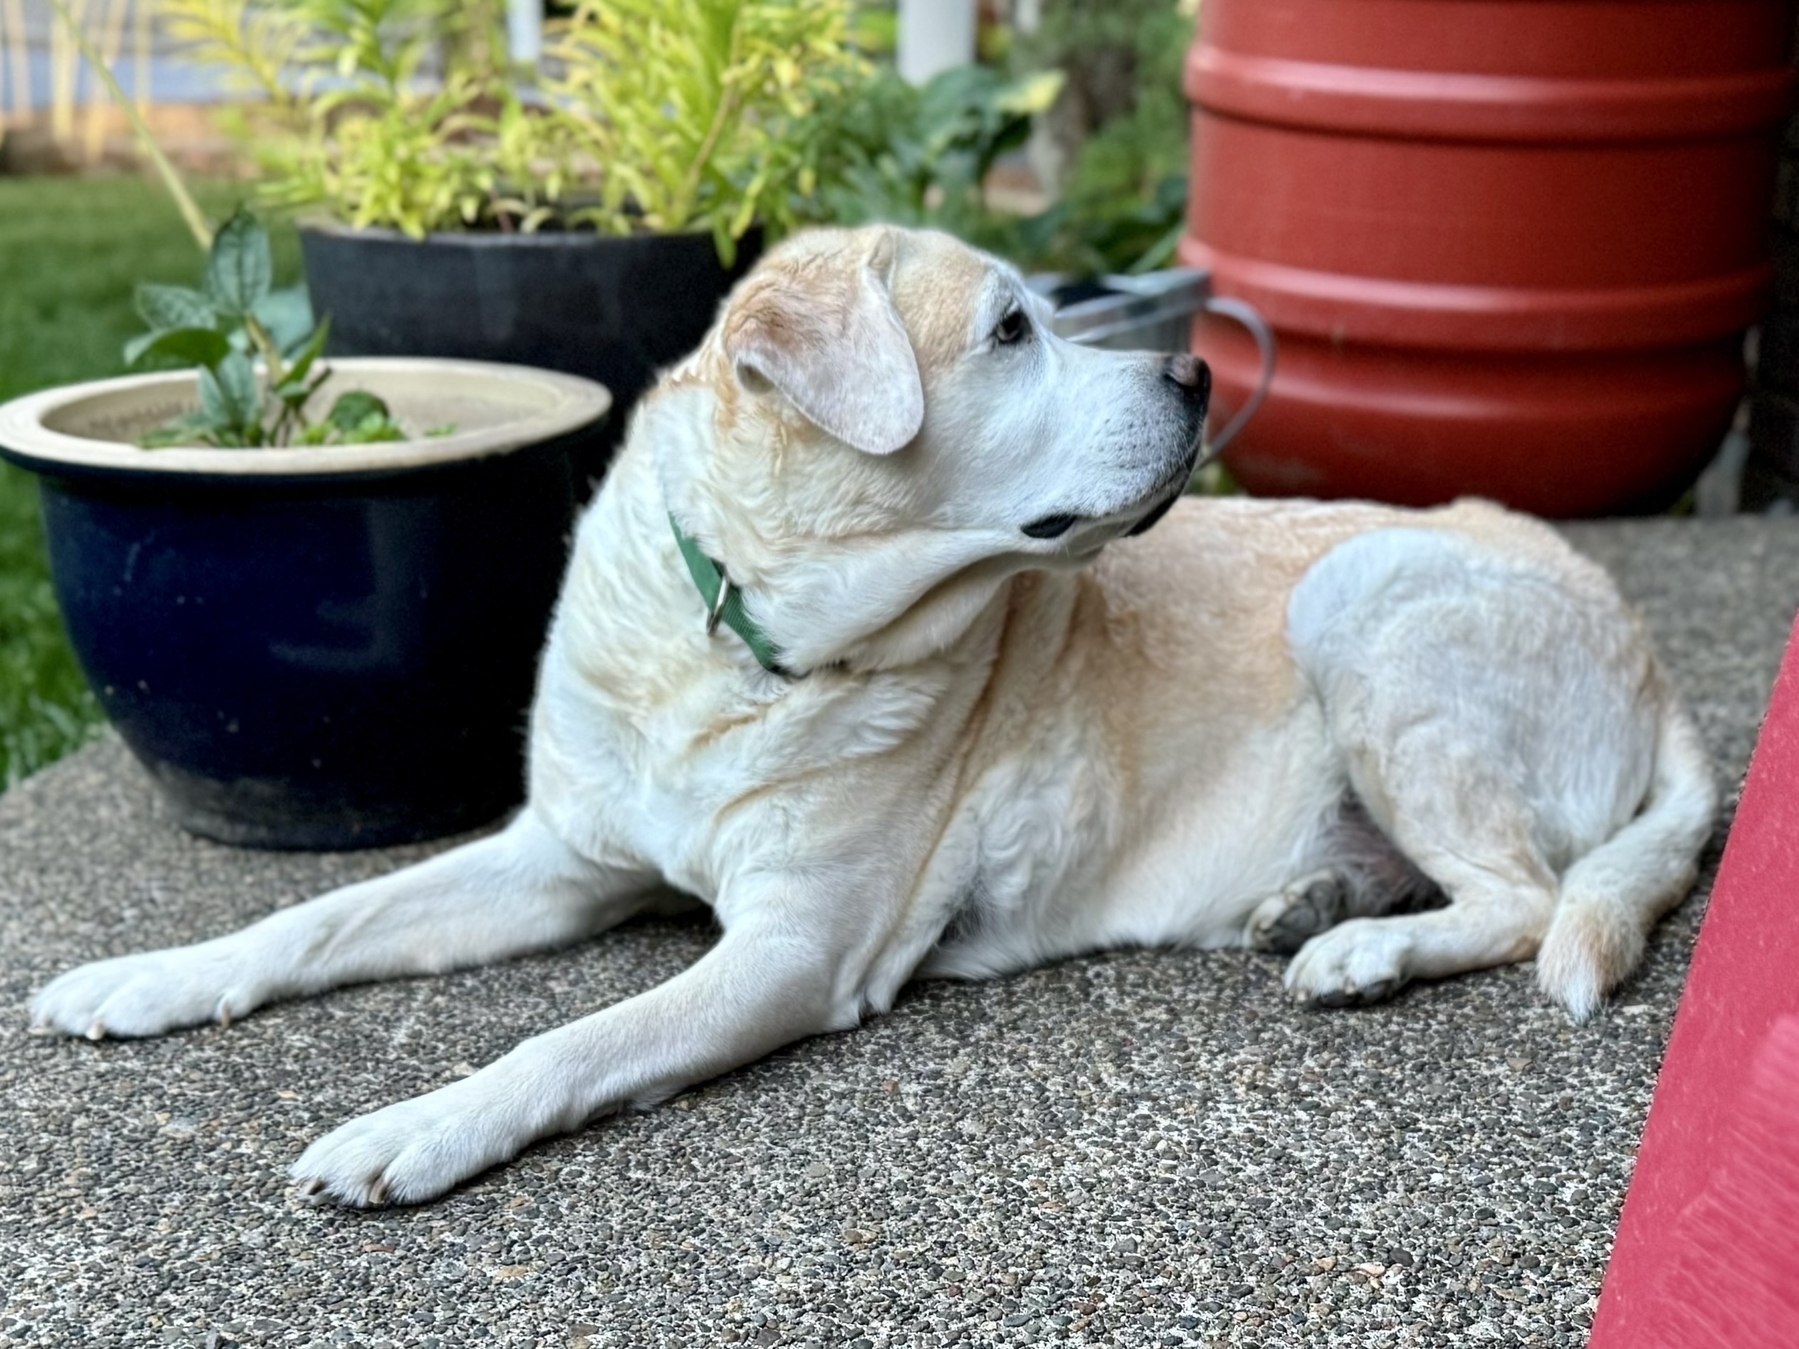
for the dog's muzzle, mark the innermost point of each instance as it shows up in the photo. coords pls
(1192, 381)
(1175, 492)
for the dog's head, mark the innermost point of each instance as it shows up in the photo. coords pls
(881, 429)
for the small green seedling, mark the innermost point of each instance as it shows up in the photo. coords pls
(233, 321)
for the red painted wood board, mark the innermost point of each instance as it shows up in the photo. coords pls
(1706, 1253)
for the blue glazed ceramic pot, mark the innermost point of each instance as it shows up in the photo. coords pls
(316, 648)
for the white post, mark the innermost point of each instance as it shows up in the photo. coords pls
(933, 36)
(524, 30)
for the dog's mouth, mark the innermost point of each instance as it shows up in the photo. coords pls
(1162, 498)
(1148, 522)
(1052, 526)
(1175, 489)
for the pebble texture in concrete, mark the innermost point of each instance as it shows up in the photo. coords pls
(1143, 1148)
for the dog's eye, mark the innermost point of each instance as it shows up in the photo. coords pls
(1012, 328)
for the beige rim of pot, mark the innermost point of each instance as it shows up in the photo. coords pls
(491, 409)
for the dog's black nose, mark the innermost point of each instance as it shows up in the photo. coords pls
(1190, 373)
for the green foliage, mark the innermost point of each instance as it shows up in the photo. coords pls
(357, 417)
(674, 115)
(69, 251)
(45, 707)
(354, 124)
(239, 269)
(1123, 205)
(661, 115)
(1098, 233)
(705, 113)
(235, 316)
(918, 156)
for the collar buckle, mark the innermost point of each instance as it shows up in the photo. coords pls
(719, 607)
(717, 612)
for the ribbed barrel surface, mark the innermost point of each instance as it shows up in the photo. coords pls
(1509, 246)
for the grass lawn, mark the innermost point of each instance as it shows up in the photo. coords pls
(71, 250)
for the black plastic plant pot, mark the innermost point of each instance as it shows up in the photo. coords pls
(316, 648)
(617, 309)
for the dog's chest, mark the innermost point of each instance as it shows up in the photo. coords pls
(721, 778)
(1018, 867)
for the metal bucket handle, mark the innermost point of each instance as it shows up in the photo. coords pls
(1226, 306)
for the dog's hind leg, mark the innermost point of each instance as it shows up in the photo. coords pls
(1500, 900)
(1498, 721)
(518, 890)
(1362, 875)
(1299, 911)
(1440, 791)
(1444, 787)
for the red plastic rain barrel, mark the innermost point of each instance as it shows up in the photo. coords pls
(1510, 247)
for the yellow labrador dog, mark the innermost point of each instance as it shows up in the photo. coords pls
(840, 657)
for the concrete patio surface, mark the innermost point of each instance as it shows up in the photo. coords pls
(1143, 1148)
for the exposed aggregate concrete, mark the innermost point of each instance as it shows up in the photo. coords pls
(1144, 1148)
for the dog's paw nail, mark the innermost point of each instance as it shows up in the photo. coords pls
(97, 1031)
(378, 1194)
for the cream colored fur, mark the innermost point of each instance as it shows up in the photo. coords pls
(1263, 723)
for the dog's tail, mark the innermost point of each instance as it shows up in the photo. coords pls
(1612, 896)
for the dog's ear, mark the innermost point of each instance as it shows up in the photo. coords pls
(823, 330)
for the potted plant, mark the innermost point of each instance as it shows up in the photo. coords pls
(310, 597)
(586, 219)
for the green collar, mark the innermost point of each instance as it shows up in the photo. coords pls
(724, 603)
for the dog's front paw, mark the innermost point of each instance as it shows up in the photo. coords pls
(412, 1151)
(1357, 962)
(145, 994)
